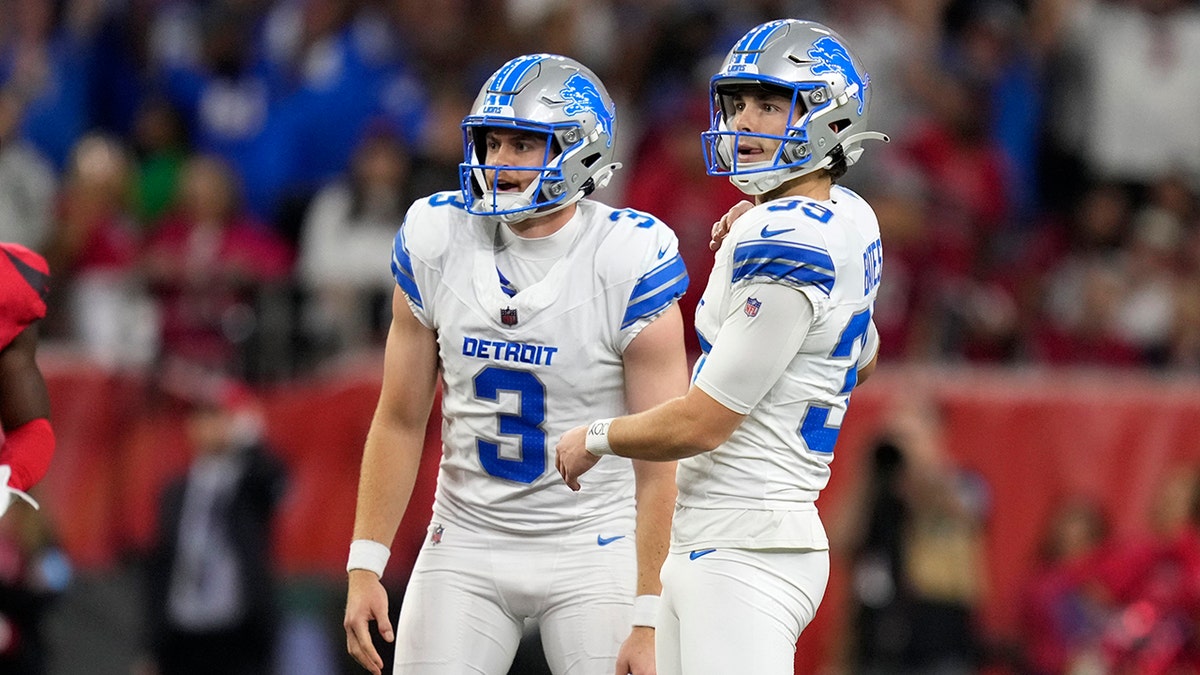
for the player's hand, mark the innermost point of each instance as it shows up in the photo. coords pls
(366, 600)
(637, 653)
(10, 494)
(721, 227)
(573, 460)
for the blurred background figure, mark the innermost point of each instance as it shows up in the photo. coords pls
(210, 582)
(160, 148)
(45, 59)
(1151, 581)
(210, 265)
(28, 181)
(34, 571)
(94, 251)
(344, 264)
(916, 532)
(1063, 605)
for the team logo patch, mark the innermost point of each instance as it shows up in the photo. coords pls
(508, 316)
(751, 308)
(435, 537)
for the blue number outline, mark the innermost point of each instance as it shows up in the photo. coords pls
(817, 212)
(531, 393)
(643, 219)
(814, 429)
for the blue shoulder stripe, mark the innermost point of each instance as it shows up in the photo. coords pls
(657, 289)
(792, 264)
(402, 269)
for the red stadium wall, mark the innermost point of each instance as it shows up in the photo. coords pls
(1033, 436)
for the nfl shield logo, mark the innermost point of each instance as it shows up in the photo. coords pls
(436, 536)
(508, 317)
(752, 306)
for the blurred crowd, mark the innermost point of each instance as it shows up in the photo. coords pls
(1098, 602)
(219, 181)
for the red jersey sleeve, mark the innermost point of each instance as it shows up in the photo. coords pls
(24, 284)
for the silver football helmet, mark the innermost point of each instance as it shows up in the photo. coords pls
(543, 94)
(830, 94)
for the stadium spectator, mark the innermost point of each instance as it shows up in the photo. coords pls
(1092, 116)
(211, 265)
(1063, 607)
(915, 530)
(46, 59)
(350, 223)
(94, 250)
(28, 182)
(210, 585)
(160, 148)
(34, 572)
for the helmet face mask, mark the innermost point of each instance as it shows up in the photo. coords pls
(551, 97)
(828, 88)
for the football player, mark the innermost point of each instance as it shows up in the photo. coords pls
(786, 330)
(24, 403)
(536, 308)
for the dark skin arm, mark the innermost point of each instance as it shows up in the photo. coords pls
(23, 395)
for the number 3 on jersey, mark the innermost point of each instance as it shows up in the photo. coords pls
(531, 394)
(818, 435)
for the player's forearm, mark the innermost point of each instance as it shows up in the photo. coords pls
(391, 458)
(655, 507)
(677, 429)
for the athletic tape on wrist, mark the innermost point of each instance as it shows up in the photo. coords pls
(366, 554)
(596, 440)
(645, 610)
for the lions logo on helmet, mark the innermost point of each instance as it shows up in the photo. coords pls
(835, 59)
(584, 97)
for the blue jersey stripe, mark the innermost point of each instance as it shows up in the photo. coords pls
(705, 345)
(658, 276)
(402, 269)
(792, 264)
(656, 290)
(505, 284)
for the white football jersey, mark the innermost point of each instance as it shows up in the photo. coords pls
(757, 490)
(522, 366)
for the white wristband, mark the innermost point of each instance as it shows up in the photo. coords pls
(366, 554)
(596, 440)
(645, 610)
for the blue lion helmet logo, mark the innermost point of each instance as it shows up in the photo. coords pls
(834, 58)
(583, 96)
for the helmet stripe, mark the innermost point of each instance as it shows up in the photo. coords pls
(758, 37)
(511, 74)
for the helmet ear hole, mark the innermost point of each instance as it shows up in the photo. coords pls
(839, 125)
(590, 160)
